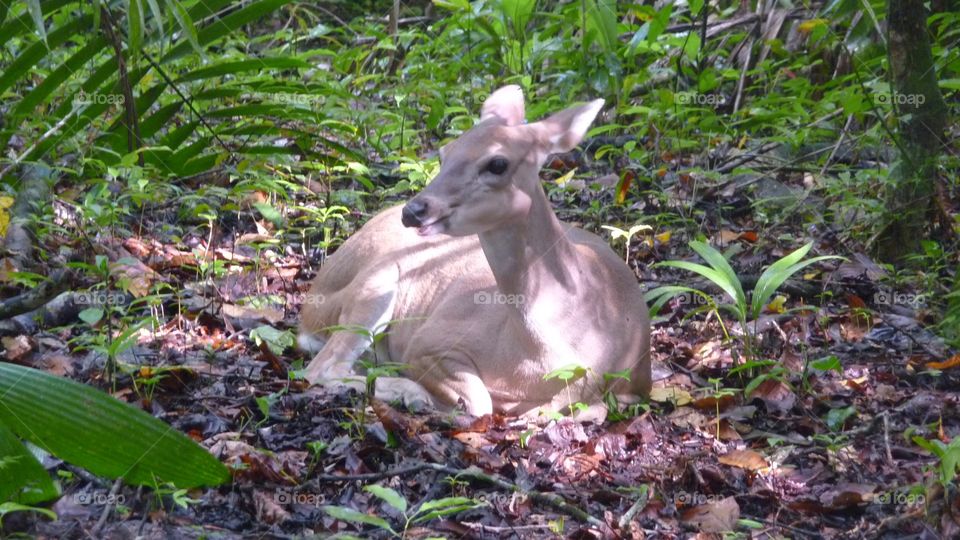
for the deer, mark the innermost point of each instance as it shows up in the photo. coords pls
(481, 291)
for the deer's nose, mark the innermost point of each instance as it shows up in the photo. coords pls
(413, 213)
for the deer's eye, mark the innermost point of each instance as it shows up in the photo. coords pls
(498, 165)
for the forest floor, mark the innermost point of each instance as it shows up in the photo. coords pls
(808, 436)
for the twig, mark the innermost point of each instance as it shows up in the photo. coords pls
(95, 531)
(813, 534)
(49, 133)
(637, 506)
(188, 103)
(403, 471)
(743, 76)
(836, 147)
(37, 296)
(886, 437)
(497, 530)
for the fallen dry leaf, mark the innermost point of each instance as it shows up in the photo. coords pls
(847, 495)
(749, 460)
(775, 394)
(16, 347)
(951, 362)
(268, 314)
(677, 396)
(713, 517)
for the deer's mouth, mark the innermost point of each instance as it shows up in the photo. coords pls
(433, 227)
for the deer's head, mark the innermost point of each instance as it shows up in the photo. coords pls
(490, 174)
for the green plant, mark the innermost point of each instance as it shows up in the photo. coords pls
(627, 235)
(567, 374)
(721, 274)
(829, 363)
(11, 507)
(425, 512)
(718, 394)
(948, 454)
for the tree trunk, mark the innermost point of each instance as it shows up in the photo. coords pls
(922, 116)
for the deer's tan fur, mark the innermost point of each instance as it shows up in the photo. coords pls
(486, 289)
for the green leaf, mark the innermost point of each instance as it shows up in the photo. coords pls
(185, 23)
(721, 274)
(346, 514)
(388, 496)
(37, 15)
(602, 22)
(659, 296)
(830, 363)
(566, 373)
(224, 25)
(270, 213)
(157, 16)
(10, 507)
(836, 417)
(778, 272)
(134, 28)
(949, 84)
(33, 54)
(22, 478)
(93, 430)
(91, 315)
(276, 340)
(695, 7)
(443, 507)
(55, 79)
(518, 12)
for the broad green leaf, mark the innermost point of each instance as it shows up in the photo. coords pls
(22, 478)
(388, 496)
(695, 7)
(276, 340)
(949, 84)
(93, 430)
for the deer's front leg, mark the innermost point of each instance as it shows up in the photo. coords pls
(452, 380)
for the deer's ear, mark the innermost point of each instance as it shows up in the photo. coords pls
(564, 130)
(505, 104)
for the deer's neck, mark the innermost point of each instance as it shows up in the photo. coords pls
(531, 259)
